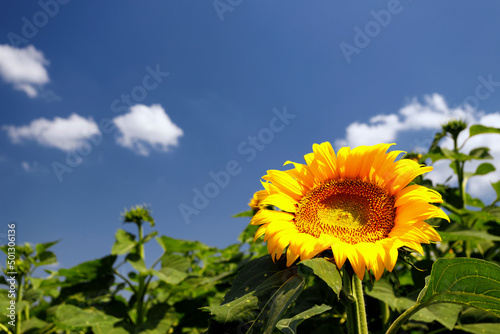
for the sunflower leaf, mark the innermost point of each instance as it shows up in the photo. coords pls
(491, 328)
(259, 295)
(468, 235)
(289, 326)
(478, 129)
(124, 242)
(72, 317)
(383, 290)
(325, 270)
(466, 281)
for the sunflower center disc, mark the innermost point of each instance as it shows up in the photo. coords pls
(351, 210)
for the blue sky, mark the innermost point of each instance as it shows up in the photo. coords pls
(105, 105)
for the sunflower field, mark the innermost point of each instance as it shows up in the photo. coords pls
(353, 241)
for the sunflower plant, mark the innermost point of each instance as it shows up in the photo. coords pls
(359, 241)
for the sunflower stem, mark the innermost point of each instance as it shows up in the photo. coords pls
(357, 287)
(354, 303)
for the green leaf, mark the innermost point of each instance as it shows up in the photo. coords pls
(44, 258)
(466, 281)
(75, 317)
(480, 153)
(137, 263)
(496, 187)
(325, 270)
(170, 275)
(475, 202)
(253, 290)
(124, 242)
(171, 245)
(89, 270)
(40, 248)
(479, 328)
(289, 326)
(175, 261)
(456, 155)
(383, 290)
(478, 129)
(150, 236)
(248, 213)
(435, 155)
(468, 235)
(280, 301)
(484, 169)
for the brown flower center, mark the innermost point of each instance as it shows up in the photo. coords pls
(351, 210)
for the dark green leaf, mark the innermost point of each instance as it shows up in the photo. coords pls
(484, 169)
(465, 281)
(252, 289)
(89, 270)
(124, 242)
(479, 328)
(280, 301)
(75, 317)
(44, 258)
(480, 153)
(383, 290)
(44, 246)
(478, 129)
(289, 326)
(447, 314)
(325, 270)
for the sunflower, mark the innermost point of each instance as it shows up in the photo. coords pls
(257, 198)
(357, 203)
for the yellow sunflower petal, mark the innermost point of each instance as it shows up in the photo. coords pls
(282, 201)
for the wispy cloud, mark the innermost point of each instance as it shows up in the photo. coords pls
(66, 134)
(29, 167)
(147, 128)
(24, 68)
(416, 117)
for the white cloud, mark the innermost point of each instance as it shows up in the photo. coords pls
(412, 117)
(430, 115)
(66, 134)
(145, 128)
(23, 68)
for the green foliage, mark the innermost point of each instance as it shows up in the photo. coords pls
(195, 288)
